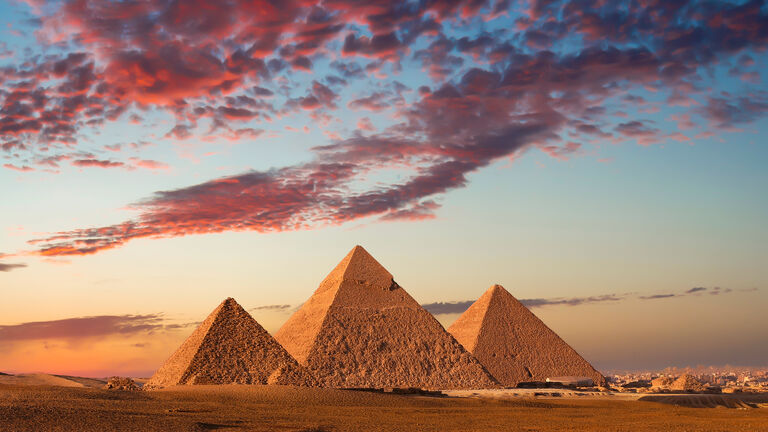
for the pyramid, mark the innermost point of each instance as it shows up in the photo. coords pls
(360, 329)
(514, 345)
(230, 347)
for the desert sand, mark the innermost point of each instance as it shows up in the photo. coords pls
(40, 379)
(281, 408)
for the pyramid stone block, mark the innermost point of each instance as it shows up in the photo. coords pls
(230, 347)
(513, 344)
(360, 329)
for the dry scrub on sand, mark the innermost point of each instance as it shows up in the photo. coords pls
(279, 408)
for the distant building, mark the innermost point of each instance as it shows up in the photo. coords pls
(572, 381)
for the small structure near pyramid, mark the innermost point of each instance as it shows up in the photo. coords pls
(230, 347)
(687, 383)
(662, 382)
(360, 329)
(514, 345)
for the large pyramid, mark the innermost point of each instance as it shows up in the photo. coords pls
(513, 344)
(230, 347)
(361, 329)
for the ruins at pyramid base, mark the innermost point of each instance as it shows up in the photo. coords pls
(514, 345)
(360, 329)
(230, 347)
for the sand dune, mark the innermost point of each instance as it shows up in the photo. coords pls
(710, 401)
(48, 380)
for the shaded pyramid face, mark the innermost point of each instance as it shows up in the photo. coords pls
(360, 329)
(230, 347)
(514, 345)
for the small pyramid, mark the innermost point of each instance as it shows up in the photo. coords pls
(513, 344)
(230, 347)
(360, 329)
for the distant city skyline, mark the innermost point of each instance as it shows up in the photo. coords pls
(604, 162)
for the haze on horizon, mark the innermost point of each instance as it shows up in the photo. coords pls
(604, 161)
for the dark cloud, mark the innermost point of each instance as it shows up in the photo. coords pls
(87, 327)
(458, 307)
(444, 308)
(375, 102)
(640, 131)
(695, 290)
(97, 163)
(438, 60)
(278, 308)
(657, 296)
(379, 46)
(6, 267)
(574, 301)
(728, 113)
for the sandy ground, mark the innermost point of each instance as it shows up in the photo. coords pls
(276, 408)
(543, 393)
(51, 380)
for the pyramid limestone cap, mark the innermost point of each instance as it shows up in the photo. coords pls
(497, 288)
(359, 265)
(228, 303)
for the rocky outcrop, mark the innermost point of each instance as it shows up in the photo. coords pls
(121, 383)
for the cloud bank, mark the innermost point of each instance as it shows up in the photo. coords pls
(87, 327)
(546, 77)
(457, 307)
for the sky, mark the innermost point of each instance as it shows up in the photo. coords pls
(604, 161)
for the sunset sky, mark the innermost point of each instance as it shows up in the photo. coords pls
(604, 161)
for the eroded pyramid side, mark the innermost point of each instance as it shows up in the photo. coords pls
(230, 347)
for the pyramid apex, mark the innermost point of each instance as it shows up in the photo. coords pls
(358, 250)
(230, 302)
(497, 288)
(360, 265)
